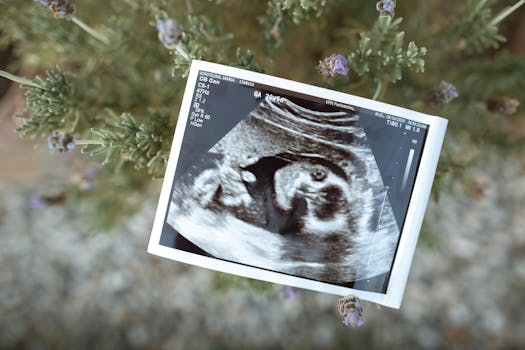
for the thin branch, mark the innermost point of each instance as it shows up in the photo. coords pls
(378, 90)
(17, 79)
(501, 16)
(213, 39)
(479, 6)
(90, 30)
(189, 6)
(181, 51)
(89, 142)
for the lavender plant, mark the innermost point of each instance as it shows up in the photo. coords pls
(109, 75)
(478, 30)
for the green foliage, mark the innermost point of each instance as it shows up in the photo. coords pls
(118, 193)
(478, 28)
(246, 61)
(449, 169)
(42, 38)
(51, 100)
(281, 13)
(488, 73)
(200, 40)
(145, 145)
(121, 94)
(203, 40)
(428, 238)
(126, 92)
(296, 10)
(380, 55)
(223, 283)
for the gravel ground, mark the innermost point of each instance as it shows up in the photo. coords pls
(62, 286)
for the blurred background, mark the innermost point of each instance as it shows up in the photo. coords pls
(74, 272)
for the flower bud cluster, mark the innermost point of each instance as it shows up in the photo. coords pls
(386, 7)
(169, 33)
(60, 141)
(336, 64)
(351, 308)
(440, 94)
(60, 8)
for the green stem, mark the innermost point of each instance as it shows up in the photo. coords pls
(17, 79)
(504, 13)
(181, 51)
(480, 5)
(90, 30)
(212, 39)
(89, 142)
(189, 6)
(378, 90)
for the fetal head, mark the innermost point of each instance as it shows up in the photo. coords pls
(324, 191)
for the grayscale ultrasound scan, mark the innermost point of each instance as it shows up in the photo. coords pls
(292, 190)
(295, 184)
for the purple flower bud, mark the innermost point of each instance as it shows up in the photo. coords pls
(502, 105)
(84, 176)
(353, 319)
(336, 64)
(169, 33)
(450, 91)
(90, 172)
(440, 94)
(289, 292)
(62, 142)
(60, 8)
(36, 201)
(386, 7)
(351, 309)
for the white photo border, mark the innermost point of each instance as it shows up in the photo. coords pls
(413, 219)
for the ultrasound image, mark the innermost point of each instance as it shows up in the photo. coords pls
(291, 190)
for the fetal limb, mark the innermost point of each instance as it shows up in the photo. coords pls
(224, 186)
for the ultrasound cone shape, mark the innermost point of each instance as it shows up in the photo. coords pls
(292, 190)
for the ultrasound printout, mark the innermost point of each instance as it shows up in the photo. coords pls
(286, 182)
